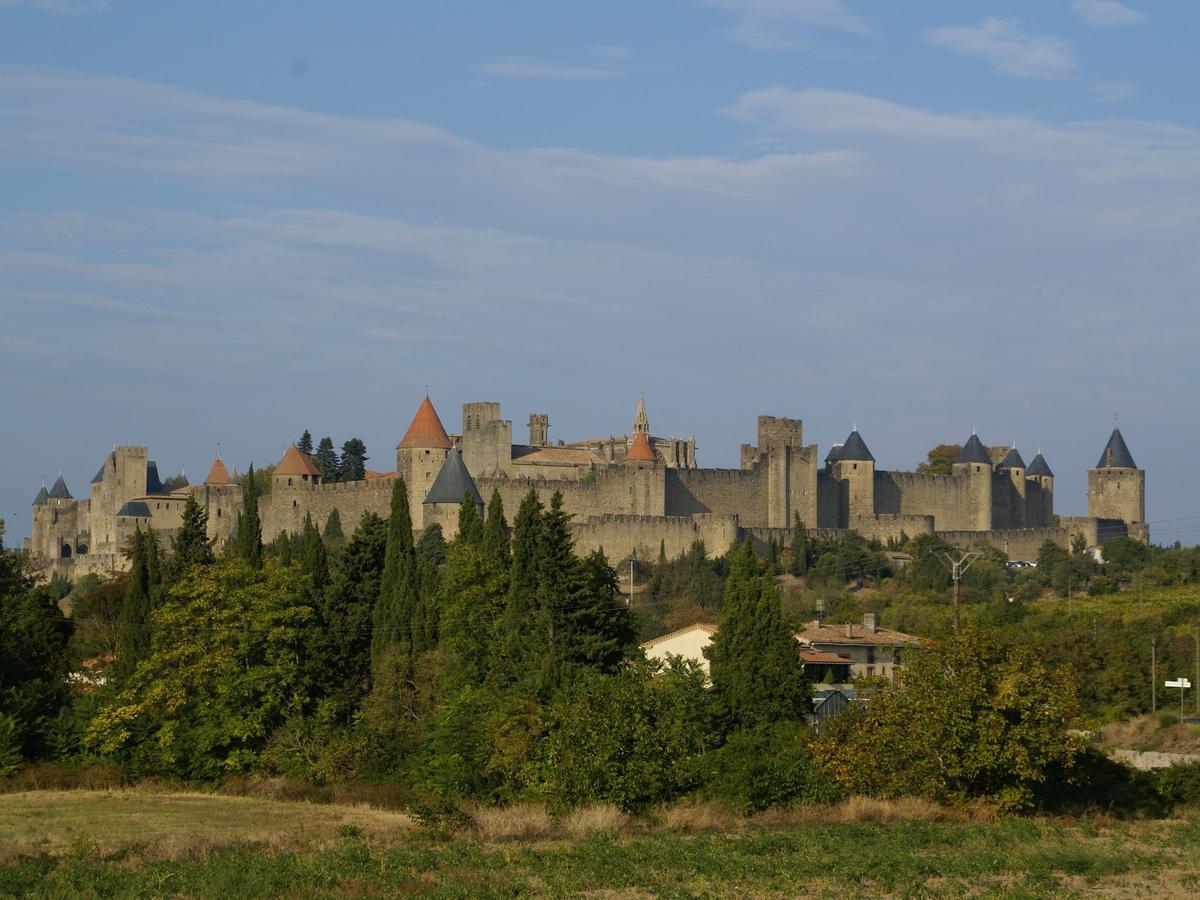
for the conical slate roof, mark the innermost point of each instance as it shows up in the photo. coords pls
(154, 484)
(1039, 467)
(855, 449)
(218, 474)
(42, 497)
(453, 482)
(640, 449)
(99, 475)
(1012, 460)
(834, 454)
(59, 491)
(295, 463)
(426, 430)
(973, 451)
(1116, 455)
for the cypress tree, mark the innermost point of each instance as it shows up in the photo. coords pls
(305, 444)
(470, 525)
(431, 554)
(516, 636)
(754, 658)
(393, 615)
(799, 547)
(333, 533)
(191, 545)
(327, 461)
(313, 559)
(284, 544)
(133, 636)
(249, 529)
(495, 533)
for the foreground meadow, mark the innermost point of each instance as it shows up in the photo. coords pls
(143, 843)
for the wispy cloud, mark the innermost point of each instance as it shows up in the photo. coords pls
(1107, 13)
(1113, 92)
(523, 67)
(1009, 47)
(58, 6)
(787, 24)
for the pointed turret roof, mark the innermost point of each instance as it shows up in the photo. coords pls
(59, 491)
(1039, 467)
(640, 422)
(154, 484)
(99, 475)
(295, 463)
(42, 497)
(640, 449)
(1116, 455)
(973, 451)
(855, 449)
(218, 474)
(834, 454)
(453, 482)
(426, 430)
(1012, 460)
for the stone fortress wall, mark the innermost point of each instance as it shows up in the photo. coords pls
(629, 495)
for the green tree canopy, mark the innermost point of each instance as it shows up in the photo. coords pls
(940, 460)
(353, 464)
(191, 545)
(327, 461)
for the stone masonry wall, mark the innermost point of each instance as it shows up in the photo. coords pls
(739, 492)
(641, 536)
(945, 497)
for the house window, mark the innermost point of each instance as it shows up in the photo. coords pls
(870, 671)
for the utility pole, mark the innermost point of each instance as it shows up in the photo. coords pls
(1196, 688)
(1153, 675)
(629, 602)
(957, 569)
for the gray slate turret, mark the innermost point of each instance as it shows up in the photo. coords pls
(1012, 460)
(1116, 455)
(855, 449)
(453, 481)
(59, 491)
(1039, 467)
(42, 497)
(973, 451)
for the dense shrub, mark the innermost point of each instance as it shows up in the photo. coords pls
(755, 770)
(1180, 784)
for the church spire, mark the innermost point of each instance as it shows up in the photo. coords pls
(641, 425)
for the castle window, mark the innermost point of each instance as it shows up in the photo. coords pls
(289, 482)
(218, 512)
(854, 466)
(293, 504)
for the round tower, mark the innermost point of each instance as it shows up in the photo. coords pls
(1039, 493)
(1116, 486)
(420, 456)
(974, 465)
(854, 466)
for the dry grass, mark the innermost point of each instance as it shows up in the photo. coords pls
(519, 822)
(587, 821)
(1143, 733)
(143, 826)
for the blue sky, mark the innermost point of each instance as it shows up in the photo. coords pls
(228, 222)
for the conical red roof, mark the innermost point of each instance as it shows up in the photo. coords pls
(218, 474)
(426, 430)
(296, 463)
(640, 449)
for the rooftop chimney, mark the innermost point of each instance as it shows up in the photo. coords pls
(849, 630)
(869, 622)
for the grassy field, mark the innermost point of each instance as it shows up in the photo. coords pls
(138, 843)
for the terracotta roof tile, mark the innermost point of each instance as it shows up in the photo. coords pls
(640, 449)
(426, 430)
(525, 455)
(218, 474)
(296, 463)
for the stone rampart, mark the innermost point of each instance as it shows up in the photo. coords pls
(738, 492)
(945, 497)
(622, 536)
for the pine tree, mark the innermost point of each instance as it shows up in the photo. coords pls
(495, 533)
(333, 534)
(353, 465)
(305, 444)
(191, 545)
(754, 658)
(327, 461)
(393, 615)
(133, 634)
(470, 525)
(249, 529)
